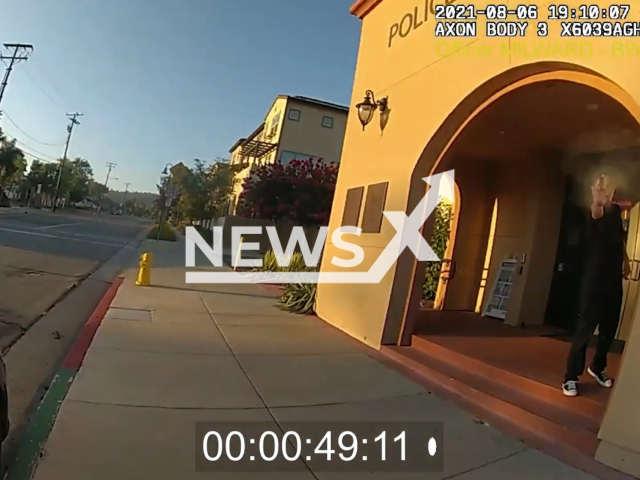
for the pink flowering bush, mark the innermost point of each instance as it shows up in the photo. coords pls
(300, 192)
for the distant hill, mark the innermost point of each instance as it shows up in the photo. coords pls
(144, 197)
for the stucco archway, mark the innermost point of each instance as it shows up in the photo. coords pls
(436, 157)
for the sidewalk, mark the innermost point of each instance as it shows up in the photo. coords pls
(168, 356)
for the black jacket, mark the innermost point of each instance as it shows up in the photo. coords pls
(605, 252)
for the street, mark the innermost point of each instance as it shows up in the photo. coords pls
(43, 254)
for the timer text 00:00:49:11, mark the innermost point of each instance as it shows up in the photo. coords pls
(271, 441)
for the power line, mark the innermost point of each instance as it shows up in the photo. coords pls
(36, 62)
(58, 103)
(29, 136)
(37, 151)
(51, 159)
(35, 157)
(20, 53)
(54, 102)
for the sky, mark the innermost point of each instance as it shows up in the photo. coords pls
(164, 81)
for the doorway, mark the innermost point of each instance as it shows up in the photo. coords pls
(562, 307)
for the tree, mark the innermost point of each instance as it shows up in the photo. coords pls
(201, 191)
(77, 180)
(192, 191)
(97, 190)
(223, 181)
(136, 208)
(12, 162)
(44, 174)
(300, 192)
(160, 202)
(438, 243)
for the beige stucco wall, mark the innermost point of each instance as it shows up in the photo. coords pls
(620, 431)
(424, 83)
(308, 136)
(423, 86)
(278, 107)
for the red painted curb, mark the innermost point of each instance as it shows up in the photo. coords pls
(79, 349)
(273, 289)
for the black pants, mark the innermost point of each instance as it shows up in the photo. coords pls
(600, 309)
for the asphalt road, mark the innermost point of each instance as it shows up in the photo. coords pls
(44, 254)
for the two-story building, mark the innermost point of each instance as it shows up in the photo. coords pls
(294, 128)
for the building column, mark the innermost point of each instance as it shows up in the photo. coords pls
(475, 179)
(620, 431)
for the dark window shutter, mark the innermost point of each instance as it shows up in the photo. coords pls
(352, 207)
(373, 208)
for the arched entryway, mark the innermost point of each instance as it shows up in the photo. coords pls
(514, 155)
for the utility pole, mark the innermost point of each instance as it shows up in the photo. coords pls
(73, 121)
(126, 190)
(20, 53)
(106, 183)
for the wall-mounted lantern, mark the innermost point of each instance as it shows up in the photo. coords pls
(367, 108)
(167, 169)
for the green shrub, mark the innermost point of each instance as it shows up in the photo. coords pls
(166, 233)
(269, 262)
(296, 264)
(299, 298)
(438, 242)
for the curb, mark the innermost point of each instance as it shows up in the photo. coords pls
(272, 289)
(79, 349)
(30, 449)
(133, 244)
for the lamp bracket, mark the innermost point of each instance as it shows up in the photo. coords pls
(382, 104)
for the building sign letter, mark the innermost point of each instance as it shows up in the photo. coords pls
(411, 21)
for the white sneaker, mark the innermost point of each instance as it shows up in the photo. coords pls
(602, 378)
(570, 388)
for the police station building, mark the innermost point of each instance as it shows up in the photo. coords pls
(526, 121)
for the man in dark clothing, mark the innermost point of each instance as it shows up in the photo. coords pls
(606, 263)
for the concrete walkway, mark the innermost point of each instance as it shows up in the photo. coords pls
(168, 356)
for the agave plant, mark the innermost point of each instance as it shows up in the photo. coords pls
(269, 262)
(299, 298)
(296, 264)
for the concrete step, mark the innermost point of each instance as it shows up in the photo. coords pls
(543, 400)
(534, 429)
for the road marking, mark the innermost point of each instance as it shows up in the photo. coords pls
(120, 245)
(59, 225)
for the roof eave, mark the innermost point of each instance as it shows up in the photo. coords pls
(362, 7)
(236, 145)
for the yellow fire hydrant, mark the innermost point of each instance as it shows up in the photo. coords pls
(144, 271)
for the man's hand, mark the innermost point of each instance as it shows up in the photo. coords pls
(601, 195)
